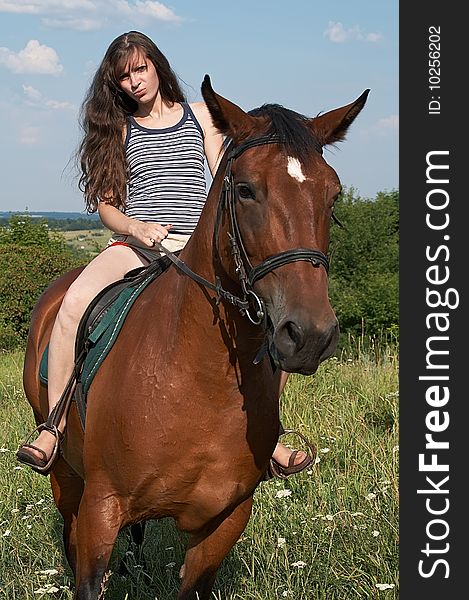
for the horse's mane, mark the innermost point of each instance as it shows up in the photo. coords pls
(291, 127)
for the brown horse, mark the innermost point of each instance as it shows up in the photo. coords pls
(183, 414)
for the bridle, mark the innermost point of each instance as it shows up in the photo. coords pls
(247, 273)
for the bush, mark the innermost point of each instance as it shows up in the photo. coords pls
(30, 259)
(364, 281)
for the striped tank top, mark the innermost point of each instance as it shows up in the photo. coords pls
(167, 175)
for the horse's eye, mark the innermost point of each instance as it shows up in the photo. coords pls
(245, 192)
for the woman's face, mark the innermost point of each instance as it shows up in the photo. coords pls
(139, 79)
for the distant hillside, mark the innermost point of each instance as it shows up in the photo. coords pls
(64, 221)
(49, 215)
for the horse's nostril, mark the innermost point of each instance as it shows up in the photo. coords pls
(307, 342)
(289, 338)
(295, 333)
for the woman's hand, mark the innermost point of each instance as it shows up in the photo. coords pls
(148, 233)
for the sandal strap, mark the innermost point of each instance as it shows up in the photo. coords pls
(44, 458)
(53, 429)
(291, 460)
(311, 446)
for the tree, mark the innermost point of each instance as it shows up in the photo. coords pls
(30, 259)
(365, 263)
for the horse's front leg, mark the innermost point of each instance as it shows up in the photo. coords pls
(206, 551)
(67, 489)
(98, 524)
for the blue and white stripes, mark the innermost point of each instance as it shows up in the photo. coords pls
(167, 177)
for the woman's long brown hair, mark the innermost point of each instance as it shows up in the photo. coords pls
(104, 113)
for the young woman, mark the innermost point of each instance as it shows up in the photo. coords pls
(142, 162)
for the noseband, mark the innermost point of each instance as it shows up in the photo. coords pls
(247, 273)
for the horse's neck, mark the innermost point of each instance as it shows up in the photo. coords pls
(202, 256)
(200, 253)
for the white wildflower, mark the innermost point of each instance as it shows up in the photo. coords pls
(49, 572)
(370, 496)
(299, 564)
(325, 450)
(317, 460)
(385, 586)
(47, 590)
(283, 493)
(375, 533)
(281, 542)
(7, 533)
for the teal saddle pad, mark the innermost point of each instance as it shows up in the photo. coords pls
(101, 324)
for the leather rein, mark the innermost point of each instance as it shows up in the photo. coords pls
(247, 273)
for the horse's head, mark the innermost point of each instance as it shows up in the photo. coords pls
(280, 192)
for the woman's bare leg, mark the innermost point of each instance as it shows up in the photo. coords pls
(282, 453)
(110, 265)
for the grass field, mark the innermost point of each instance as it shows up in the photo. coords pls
(89, 240)
(330, 533)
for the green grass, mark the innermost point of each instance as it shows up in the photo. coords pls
(91, 241)
(330, 533)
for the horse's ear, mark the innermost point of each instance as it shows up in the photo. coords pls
(227, 117)
(332, 126)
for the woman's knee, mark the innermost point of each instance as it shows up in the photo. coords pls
(73, 306)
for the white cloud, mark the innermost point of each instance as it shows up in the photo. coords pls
(35, 7)
(86, 15)
(32, 93)
(29, 135)
(336, 33)
(35, 98)
(390, 123)
(156, 10)
(71, 23)
(34, 58)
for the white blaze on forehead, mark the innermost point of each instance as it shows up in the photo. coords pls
(294, 169)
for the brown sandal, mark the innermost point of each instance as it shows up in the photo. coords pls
(40, 465)
(275, 469)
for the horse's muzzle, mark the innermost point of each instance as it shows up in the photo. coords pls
(299, 348)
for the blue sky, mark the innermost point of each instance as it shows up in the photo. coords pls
(311, 56)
